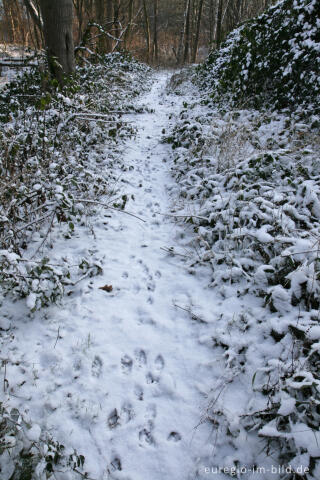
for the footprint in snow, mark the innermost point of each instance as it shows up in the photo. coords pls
(145, 435)
(96, 367)
(123, 417)
(151, 286)
(144, 317)
(144, 266)
(115, 465)
(126, 364)
(150, 378)
(153, 370)
(113, 419)
(141, 357)
(159, 363)
(138, 391)
(127, 412)
(174, 437)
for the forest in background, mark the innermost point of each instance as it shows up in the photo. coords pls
(154, 31)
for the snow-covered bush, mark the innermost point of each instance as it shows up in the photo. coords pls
(260, 202)
(59, 155)
(249, 187)
(40, 282)
(271, 60)
(26, 453)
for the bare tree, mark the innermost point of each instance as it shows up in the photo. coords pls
(129, 25)
(33, 12)
(219, 23)
(197, 34)
(155, 31)
(182, 40)
(147, 29)
(166, 31)
(104, 17)
(187, 32)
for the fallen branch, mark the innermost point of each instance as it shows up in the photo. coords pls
(46, 235)
(182, 216)
(94, 202)
(301, 253)
(193, 315)
(173, 252)
(38, 220)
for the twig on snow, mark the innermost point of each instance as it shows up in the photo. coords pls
(94, 202)
(182, 216)
(193, 315)
(173, 252)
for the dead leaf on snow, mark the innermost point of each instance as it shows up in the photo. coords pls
(106, 288)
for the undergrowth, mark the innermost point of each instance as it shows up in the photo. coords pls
(272, 60)
(26, 453)
(59, 157)
(248, 185)
(60, 164)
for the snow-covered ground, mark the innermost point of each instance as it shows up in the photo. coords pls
(11, 51)
(189, 357)
(121, 376)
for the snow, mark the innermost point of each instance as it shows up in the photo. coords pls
(287, 406)
(31, 300)
(4, 324)
(121, 376)
(33, 434)
(245, 213)
(159, 366)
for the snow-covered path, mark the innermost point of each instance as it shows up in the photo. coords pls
(121, 375)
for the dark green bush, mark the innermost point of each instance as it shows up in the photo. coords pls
(272, 60)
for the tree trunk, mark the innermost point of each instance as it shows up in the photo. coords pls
(78, 7)
(129, 26)
(182, 40)
(7, 6)
(57, 23)
(155, 31)
(239, 11)
(32, 10)
(110, 22)
(187, 34)
(196, 40)
(116, 12)
(147, 29)
(219, 24)
(104, 16)
(19, 21)
(211, 22)
(100, 19)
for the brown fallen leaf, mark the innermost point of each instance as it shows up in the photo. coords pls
(106, 288)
